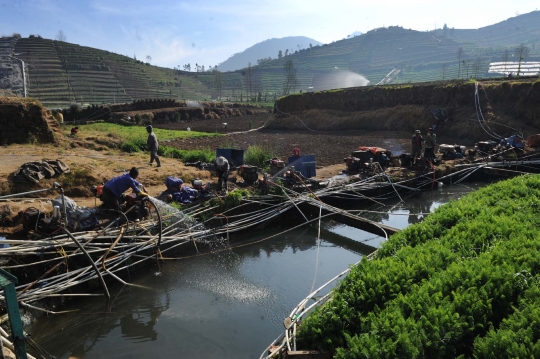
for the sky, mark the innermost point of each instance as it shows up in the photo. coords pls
(207, 32)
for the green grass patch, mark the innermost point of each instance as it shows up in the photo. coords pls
(203, 155)
(459, 284)
(137, 133)
(258, 156)
(133, 139)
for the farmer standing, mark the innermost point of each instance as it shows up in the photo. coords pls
(417, 145)
(431, 141)
(153, 146)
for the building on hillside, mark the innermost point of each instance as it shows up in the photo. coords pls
(512, 67)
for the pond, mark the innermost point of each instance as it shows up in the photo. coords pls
(229, 304)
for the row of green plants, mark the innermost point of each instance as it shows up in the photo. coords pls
(203, 155)
(458, 284)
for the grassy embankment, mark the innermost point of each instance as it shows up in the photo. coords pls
(463, 283)
(133, 139)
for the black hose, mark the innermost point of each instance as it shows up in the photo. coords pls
(160, 226)
(90, 259)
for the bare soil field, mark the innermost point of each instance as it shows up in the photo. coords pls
(329, 147)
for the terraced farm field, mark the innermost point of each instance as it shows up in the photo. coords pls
(61, 73)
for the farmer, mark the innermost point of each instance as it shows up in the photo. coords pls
(59, 117)
(153, 146)
(417, 145)
(222, 168)
(114, 188)
(74, 130)
(431, 142)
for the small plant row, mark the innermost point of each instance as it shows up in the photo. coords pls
(443, 287)
(186, 156)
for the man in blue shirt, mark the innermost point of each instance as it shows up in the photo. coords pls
(113, 189)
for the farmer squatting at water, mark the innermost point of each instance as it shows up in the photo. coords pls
(115, 188)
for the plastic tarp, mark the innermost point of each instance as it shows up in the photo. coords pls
(514, 141)
(78, 218)
(173, 183)
(186, 195)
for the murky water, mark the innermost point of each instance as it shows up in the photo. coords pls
(225, 305)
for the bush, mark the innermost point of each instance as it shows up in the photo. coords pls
(146, 119)
(138, 119)
(74, 108)
(204, 155)
(176, 117)
(258, 156)
(135, 145)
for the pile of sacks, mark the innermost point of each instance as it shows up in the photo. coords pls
(34, 172)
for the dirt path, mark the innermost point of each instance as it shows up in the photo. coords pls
(93, 167)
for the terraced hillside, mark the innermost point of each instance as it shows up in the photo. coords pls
(418, 56)
(61, 73)
(515, 30)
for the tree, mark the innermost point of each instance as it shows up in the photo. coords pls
(291, 81)
(445, 29)
(477, 66)
(280, 54)
(505, 59)
(197, 67)
(218, 82)
(459, 55)
(286, 52)
(467, 64)
(310, 45)
(148, 58)
(134, 57)
(444, 69)
(521, 52)
(60, 36)
(249, 74)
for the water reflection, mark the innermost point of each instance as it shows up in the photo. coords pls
(229, 304)
(224, 305)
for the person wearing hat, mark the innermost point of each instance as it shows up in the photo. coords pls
(417, 141)
(222, 168)
(115, 188)
(153, 146)
(431, 142)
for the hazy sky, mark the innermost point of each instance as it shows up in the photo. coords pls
(208, 31)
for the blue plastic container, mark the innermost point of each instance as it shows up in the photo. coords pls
(3, 245)
(235, 157)
(305, 164)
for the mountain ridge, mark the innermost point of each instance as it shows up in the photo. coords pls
(265, 49)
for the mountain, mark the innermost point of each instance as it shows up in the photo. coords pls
(508, 33)
(60, 73)
(266, 49)
(411, 56)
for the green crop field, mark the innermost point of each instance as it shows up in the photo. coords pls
(463, 283)
(130, 133)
